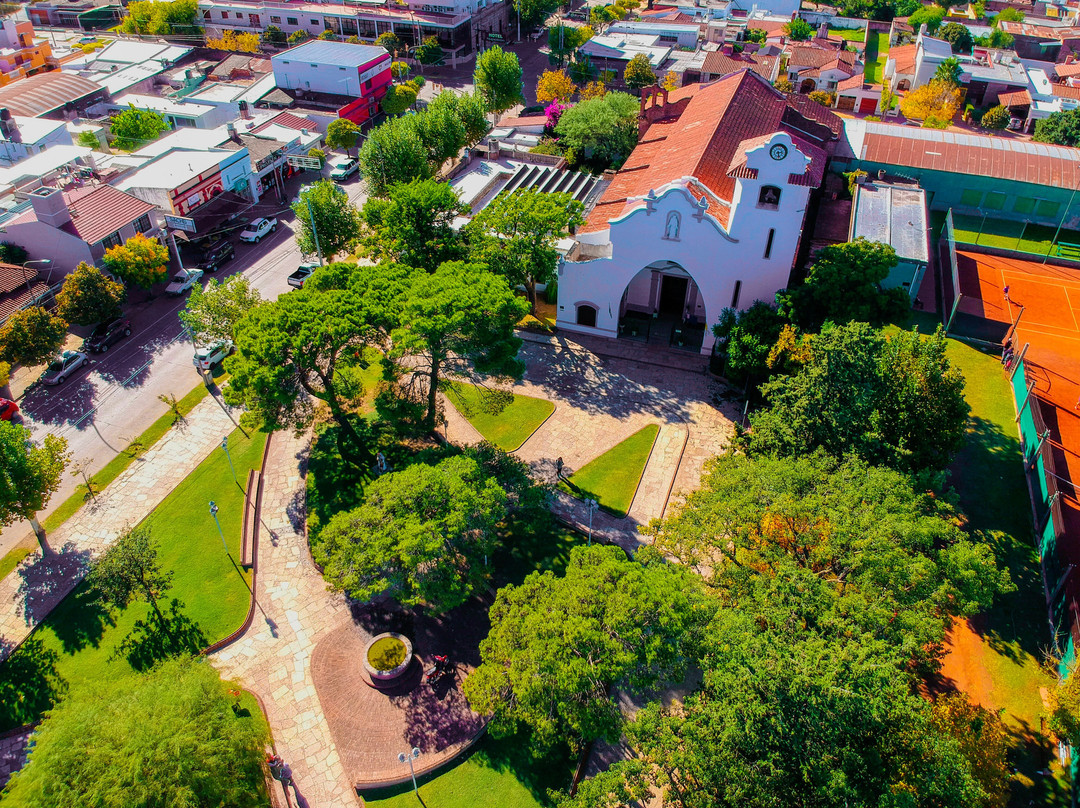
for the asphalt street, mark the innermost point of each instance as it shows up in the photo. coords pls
(101, 408)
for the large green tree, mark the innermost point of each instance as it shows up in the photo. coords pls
(885, 559)
(844, 284)
(787, 717)
(957, 35)
(134, 128)
(89, 296)
(1062, 128)
(949, 71)
(412, 225)
(897, 401)
(558, 645)
(129, 570)
(161, 18)
(30, 336)
(498, 78)
(166, 738)
(932, 16)
(603, 130)
(639, 72)
(393, 152)
(457, 320)
(398, 99)
(516, 235)
(139, 260)
(746, 338)
(327, 219)
(342, 133)
(291, 352)
(421, 536)
(212, 313)
(29, 474)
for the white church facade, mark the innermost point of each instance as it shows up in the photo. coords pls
(706, 213)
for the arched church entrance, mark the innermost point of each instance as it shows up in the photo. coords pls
(663, 306)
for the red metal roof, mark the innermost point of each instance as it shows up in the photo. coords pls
(36, 95)
(290, 121)
(102, 210)
(706, 127)
(967, 153)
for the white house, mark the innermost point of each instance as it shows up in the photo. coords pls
(706, 213)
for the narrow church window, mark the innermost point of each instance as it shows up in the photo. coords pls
(735, 296)
(768, 243)
(769, 197)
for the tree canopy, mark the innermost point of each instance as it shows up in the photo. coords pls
(134, 128)
(516, 234)
(139, 260)
(341, 133)
(160, 18)
(459, 319)
(31, 336)
(336, 220)
(938, 100)
(949, 71)
(212, 313)
(957, 35)
(558, 645)
(799, 30)
(932, 16)
(392, 42)
(420, 536)
(554, 85)
(398, 98)
(746, 338)
(639, 72)
(498, 79)
(844, 284)
(602, 129)
(169, 737)
(412, 225)
(293, 350)
(30, 472)
(88, 296)
(393, 152)
(896, 401)
(1062, 128)
(996, 118)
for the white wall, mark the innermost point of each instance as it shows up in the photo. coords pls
(715, 258)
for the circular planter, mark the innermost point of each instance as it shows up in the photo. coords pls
(387, 656)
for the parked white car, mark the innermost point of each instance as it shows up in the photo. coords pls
(183, 281)
(63, 366)
(212, 354)
(254, 232)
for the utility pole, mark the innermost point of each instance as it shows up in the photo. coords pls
(314, 232)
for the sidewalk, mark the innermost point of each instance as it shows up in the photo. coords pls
(29, 593)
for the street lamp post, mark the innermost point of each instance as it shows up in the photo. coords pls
(593, 506)
(213, 513)
(314, 232)
(232, 468)
(26, 278)
(409, 757)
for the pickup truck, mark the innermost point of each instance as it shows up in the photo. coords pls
(302, 273)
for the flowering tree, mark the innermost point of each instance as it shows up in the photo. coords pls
(553, 112)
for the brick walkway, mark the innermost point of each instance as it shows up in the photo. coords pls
(604, 391)
(40, 583)
(12, 753)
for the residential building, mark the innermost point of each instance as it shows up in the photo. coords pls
(57, 94)
(24, 137)
(178, 112)
(900, 67)
(1004, 178)
(727, 60)
(358, 72)
(85, 15)
(817, 66)
(128, 66)
(56, 165)
(20, 56)
(706, 213)
(460, 26)
(681, 35)
(1043, 41)
(78, 225)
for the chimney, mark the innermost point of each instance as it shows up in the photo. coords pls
(245, 113)
(922, 30)
(823, 31)
(230, 127)
(50, 207)
(8, 128)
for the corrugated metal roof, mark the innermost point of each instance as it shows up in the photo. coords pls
(964, 153)
(36, 95)
(325, 52)
(102, 211)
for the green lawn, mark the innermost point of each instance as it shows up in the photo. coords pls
(613, 477)
(509, 426)
(989, 480)
(15, 556)
(209, 598)
(494, 772)
(1035, 239)
(848, 34)
(877, 52)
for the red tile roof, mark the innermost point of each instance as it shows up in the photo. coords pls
(14, 291)
(856, 82)
(1020, 98)
(718, 63)
(1067, 71)
(905, 58)
(102, 210)
(816, 56)
(290, 121)
(700, 140)
(1065, 91)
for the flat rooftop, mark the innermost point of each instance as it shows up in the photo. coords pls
(894, 215)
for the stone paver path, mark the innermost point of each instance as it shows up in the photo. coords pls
(600, 400)
(40, 583)
(273, 658)
(12, 753)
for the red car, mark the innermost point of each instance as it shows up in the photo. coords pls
(8, 409)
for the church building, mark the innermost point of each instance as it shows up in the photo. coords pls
(706, 213)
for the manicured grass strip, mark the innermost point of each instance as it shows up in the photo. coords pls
(115, 467)
(1035, 239)
(848, 34)
(494, 772)
(877, 52)
(613, 477)
(509, 427)
(15, 556)
(80, 641)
